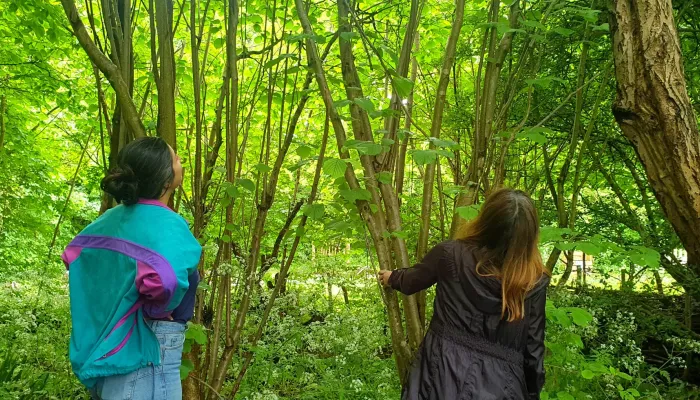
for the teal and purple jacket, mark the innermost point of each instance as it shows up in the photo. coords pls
(132, 262)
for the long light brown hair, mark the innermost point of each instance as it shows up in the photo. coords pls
(505, 236)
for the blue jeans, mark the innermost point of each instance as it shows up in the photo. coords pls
(153, 382)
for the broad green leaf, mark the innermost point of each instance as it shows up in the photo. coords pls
(588, 248)
(185, 368)
(564, 396)
(624, 376)
(587, 374)
(262, 168)
(565, 246)
(314, 211)
(604, 27)
(384, 177)
(580, 316)
(403, 86)
(366, 104)
(334, 167)
(563, 31)
(357, 194)
(342, 103)
(422, 157)
(196, 333)
(305, 151)
(444, 143)
(348, 36)
(533, 135)
(246, 184)
(364, 147)
(534, 24)
(468, 212)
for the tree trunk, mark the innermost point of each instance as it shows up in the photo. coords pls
(654, 112)
(166, 83)
(567, 273)
(375, 226)
(659, 283)
(3, 109)
(108, 68)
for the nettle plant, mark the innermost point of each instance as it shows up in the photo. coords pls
(572, 374)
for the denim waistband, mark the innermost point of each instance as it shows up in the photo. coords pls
(159, 326)
(475, 343)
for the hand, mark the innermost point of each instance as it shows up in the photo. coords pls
(383, 277)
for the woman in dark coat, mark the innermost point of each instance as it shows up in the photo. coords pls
(486, 336)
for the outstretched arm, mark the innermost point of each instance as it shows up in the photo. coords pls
(419, 277)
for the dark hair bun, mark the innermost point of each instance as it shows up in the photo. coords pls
(122, 184)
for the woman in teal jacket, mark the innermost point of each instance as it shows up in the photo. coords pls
(133, 277)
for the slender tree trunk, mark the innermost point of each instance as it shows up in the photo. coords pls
(402, 351)
(166, 83)
(3, 110)
(485, 109)
(108, 68)
(659, 283)
(567, 273)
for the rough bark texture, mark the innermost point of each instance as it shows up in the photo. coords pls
(654, 112)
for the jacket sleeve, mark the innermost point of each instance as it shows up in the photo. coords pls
(535, 349)
(162, 286)
(421, 276)
(154, 293)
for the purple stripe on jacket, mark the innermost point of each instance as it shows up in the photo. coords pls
(154, 265)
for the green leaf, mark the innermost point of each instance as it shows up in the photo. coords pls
(342, 103)
(624, 376)
(587, 374)
(364, 147)
(384, 177)
(247, 184)
(564, 396)
(588, 248)
(185, 368)
(444, 143)
(422, 157)
(348, 36)
(534, 135)
(357, 194)
(580, 316)
(565, 246)
(262, 168)
(603, 28)
(219, 43)
(534, 24)
(563, 31)
(196, 333)
(314, 211)
(365, 104)
(468, 212)
(403, 86)
(304, 151)
(334, 167)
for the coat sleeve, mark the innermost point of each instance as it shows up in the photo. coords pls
(163, 288)
(534, 349)
(422, 275)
